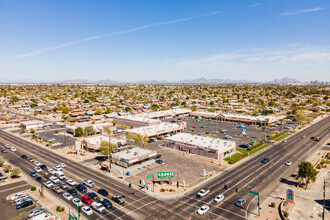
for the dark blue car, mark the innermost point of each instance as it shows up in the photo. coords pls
(72, 191)
(81, 188)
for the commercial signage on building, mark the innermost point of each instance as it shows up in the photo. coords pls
(168, 174)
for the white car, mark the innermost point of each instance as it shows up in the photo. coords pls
(202, 193)
(203, 209)
(37, 169)
(71, 182)
(284, 140)
(288, 163)
(62, 165)
(54, 179)
(219, 198)
(52, 171)
(67, 196)
(18, 195)
(48, 184)
(35, 212)
(37, 163)
(13, 149)
(88, 211)
(7, 146)
(98, 207)
(77, 202)
(89, 183)
(58, 168)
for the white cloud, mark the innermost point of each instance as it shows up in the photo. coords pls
(254, 5)
(289, 13)
(261, 63)
(43, 50)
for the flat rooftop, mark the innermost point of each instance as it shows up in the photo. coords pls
(131, 153)
(201, 141)
(137, 117)
(154, 129)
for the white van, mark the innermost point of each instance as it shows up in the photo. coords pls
(60, 175)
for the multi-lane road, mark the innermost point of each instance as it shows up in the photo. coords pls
(246, 176)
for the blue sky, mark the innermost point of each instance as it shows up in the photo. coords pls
(164, 39)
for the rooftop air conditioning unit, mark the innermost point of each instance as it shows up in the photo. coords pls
(135, 153)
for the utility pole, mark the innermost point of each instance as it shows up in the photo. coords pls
(110, 155)
(41, 188)
(323, 214)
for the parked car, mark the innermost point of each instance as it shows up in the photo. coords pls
(102, 192)
(202, 210)
(89, 183)
(98, 207)
(57, 189)
(77, 202)
(219, 198)
(86, 199)
(106, 203)
(63, 185)
(265, 160)
(25, 203)
(71, 182)
(72, 191)
(67, 196)
(240, 202)
(54, 179)
(159, 161)
(48, 184)
(158, 156)
(81, 188)
(18, 195)
(35, 212)
(13, 149)
(33, 173)
(87, 210)
(37, 169)
(118, 199)
(93, 195)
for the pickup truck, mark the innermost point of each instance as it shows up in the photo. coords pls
(202, 193)
(98, 207)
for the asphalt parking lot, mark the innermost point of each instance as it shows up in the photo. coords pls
(213, 129)
(59, 138)
(11, 212)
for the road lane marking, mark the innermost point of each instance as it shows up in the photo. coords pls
(136, 209)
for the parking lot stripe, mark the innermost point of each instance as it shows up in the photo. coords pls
(15, 187)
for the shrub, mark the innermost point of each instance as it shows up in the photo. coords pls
(318, 166)
(171, 190)
(162, 190)
(286, 214)
(33, 188)
(272, 204)
(60, 209)
(56, 132)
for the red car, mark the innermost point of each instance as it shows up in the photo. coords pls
(87, 200)
(4, 151)
(194, 127)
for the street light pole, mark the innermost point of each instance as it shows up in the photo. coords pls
(110, 155)
(247, 208)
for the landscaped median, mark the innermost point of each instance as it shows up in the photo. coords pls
(245, 152)
(280, 136)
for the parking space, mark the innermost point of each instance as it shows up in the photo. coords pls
(58, 138)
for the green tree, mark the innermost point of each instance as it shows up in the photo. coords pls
(78, 132)
(104, 148)
(98, 111)
(138, 139)
(114, 123)
(154, 107)
(300, 115)
(15, 172)
(128, 109)
(7, 167)
(89, 130)
(131, 126)
(145, 140)
(108, 111)
(306, 171)
(129, 135)
(32, 131)
(2, 161)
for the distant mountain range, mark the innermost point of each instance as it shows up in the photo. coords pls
(202, 80)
